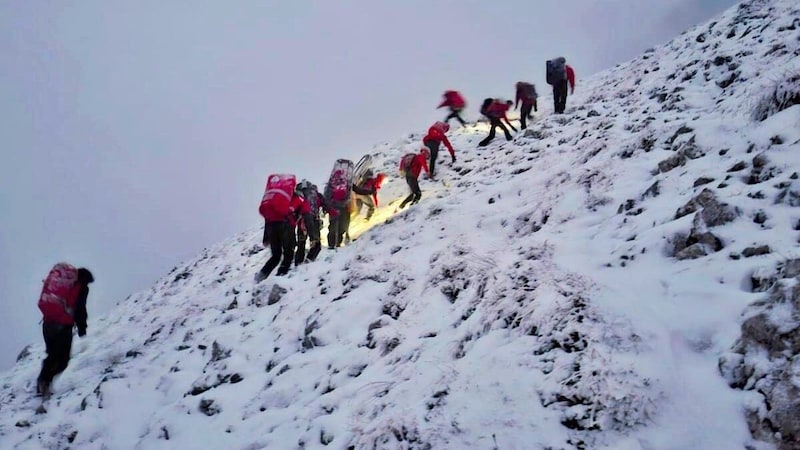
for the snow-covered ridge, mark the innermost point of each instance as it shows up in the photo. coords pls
(572, 289)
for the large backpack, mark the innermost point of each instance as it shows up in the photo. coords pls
(340, 184)
(59, 294)
(528, 91)
(406, 161)
(363, 166)
(275, 204)
(556, 70)
(310, 193)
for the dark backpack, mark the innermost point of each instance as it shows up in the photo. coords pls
(485, 106)
(528, 91)
(556, 70)
(309, 192)
(339, 186)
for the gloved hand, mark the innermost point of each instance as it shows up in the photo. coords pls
(452, 158)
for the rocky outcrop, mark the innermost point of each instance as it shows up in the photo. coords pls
(766, 361)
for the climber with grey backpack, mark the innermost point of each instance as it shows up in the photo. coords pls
(560, 75)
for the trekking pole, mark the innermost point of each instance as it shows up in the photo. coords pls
(509, 124)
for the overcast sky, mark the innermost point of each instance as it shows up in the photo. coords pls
(137, 133)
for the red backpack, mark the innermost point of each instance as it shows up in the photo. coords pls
(275, 205)
(406, 161)
(339, 186)
(59, 294)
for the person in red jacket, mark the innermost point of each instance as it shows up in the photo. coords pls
(411, 165)
(366, 193)
(435, 137)
(495, 110)
(57, 332)
(455, 101)
(526, 93)
(279, 234)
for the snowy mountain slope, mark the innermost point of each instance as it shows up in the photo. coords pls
(560, 291)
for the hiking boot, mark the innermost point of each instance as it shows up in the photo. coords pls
(260, 276)
(42, 388)
(282, 271)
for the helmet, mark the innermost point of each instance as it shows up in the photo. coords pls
(424, 151)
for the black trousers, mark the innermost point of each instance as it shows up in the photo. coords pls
(58, 342)
(311, 232)
(415, 194)
(281, 238)
(524, 114)
(560, 96)
(455, 114)
(337, 227)
(494, 123)
(433, 146)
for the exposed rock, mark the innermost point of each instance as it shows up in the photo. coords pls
(672, 162)
(24, 353)
(766, 359)
(713, 212)
(701, 181)
(653, 191)
(756, 251)
(788, 196)
(741, 165)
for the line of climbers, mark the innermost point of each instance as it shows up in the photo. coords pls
(293, 212)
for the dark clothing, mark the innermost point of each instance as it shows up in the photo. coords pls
(525, 114)
(308, 229)
(58, 342)
(494, 123)
(337, 227)
(455, 114)
(560, 96)
(433, 146)
(281, 239)
(80, 314)
(416, 193)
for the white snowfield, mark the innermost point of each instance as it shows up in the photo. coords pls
(531, 300)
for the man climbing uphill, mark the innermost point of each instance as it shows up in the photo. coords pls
(411, 165)
(559, 75)
(455, 101)
(495, 110)
(435, 137)
(366, 193)
(281, 208)
(63, 306)
(526, 93)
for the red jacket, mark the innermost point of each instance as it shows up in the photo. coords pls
(453, 100)
(297, 207)
(370, 186)
(497, 109)
(571, 78)
(418, 164)
(526, 93)
(436, 135)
